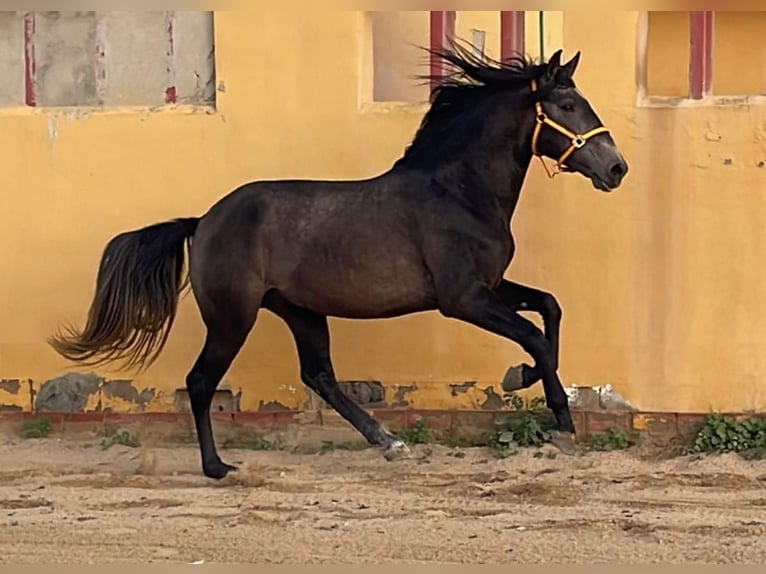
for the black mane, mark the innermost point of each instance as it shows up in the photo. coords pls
(469, 79)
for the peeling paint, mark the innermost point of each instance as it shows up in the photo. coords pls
(272, 407)
(87, 392)
(461, 388)
(494, 401)
(368, 393)
(9, 395)
(400, 395)
(67, 393)
(597, 398)
(124, 389)
(12, 386)
(224, 401)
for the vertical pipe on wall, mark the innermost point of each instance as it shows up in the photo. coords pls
(170, 86)
(30, 68)
(442, 28)
(511, 34)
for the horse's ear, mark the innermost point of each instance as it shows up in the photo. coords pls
(553, 64)
(571, 65)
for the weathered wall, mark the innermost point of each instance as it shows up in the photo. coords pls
(660, 281)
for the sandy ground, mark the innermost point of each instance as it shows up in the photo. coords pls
(63, 501)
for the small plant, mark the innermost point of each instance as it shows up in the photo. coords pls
(610, 440)
(113, 436)
(250, 442)
(724, 434)
(329, 446)
(456, 453)
(529, 427)
(418, 434)
(38, 427)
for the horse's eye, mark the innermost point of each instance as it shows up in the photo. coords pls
(568, 107)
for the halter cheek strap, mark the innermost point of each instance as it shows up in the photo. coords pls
(577, 140)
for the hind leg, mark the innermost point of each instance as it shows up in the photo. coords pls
(222, 344)
(312, 339)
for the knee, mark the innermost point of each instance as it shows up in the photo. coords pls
(551, 308)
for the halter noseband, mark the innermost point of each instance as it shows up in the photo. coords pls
(577, 140)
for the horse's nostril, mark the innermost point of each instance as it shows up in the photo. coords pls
(618, 169)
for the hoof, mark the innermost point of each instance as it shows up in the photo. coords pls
(513, 379)
(218, 470)
(564, 441)
(396, 451)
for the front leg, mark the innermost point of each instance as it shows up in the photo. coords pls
(482, 307)
(523, 298)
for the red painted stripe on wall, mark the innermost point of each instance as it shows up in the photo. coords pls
(30, 69)
(701, 54)
(442, 27)
(170, 89)
(511, 34)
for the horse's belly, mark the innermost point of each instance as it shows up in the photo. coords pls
(385, 290)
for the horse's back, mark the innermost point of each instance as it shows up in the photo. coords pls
(347, 248)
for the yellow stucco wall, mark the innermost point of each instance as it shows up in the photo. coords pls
(660, 282)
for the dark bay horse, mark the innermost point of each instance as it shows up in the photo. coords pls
(431, 233)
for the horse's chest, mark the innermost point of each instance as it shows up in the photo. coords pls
(499, 257)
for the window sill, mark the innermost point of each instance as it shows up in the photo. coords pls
(87, 111)
(419, 108)
(644, 101)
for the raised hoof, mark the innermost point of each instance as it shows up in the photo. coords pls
(396, 451)
(218, 470)
(513, 379)
(564, 441)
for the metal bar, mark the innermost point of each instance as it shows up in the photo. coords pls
(170, 89)
(30, 66)
(541, 27)
(700, 54)
(442, 27)
(511, 34)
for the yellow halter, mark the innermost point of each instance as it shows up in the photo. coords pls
(577, 140)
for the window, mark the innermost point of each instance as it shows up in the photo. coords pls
(397, 37)
(106, 58)
(691, 55)
(739, 53)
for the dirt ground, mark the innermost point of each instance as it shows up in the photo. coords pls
(65, 501)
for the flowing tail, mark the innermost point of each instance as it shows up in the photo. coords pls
(140, 279)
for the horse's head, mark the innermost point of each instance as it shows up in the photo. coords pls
(483, 107)
(568, 131)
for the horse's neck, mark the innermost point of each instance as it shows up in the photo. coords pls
(503, 173)
(502, 177)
